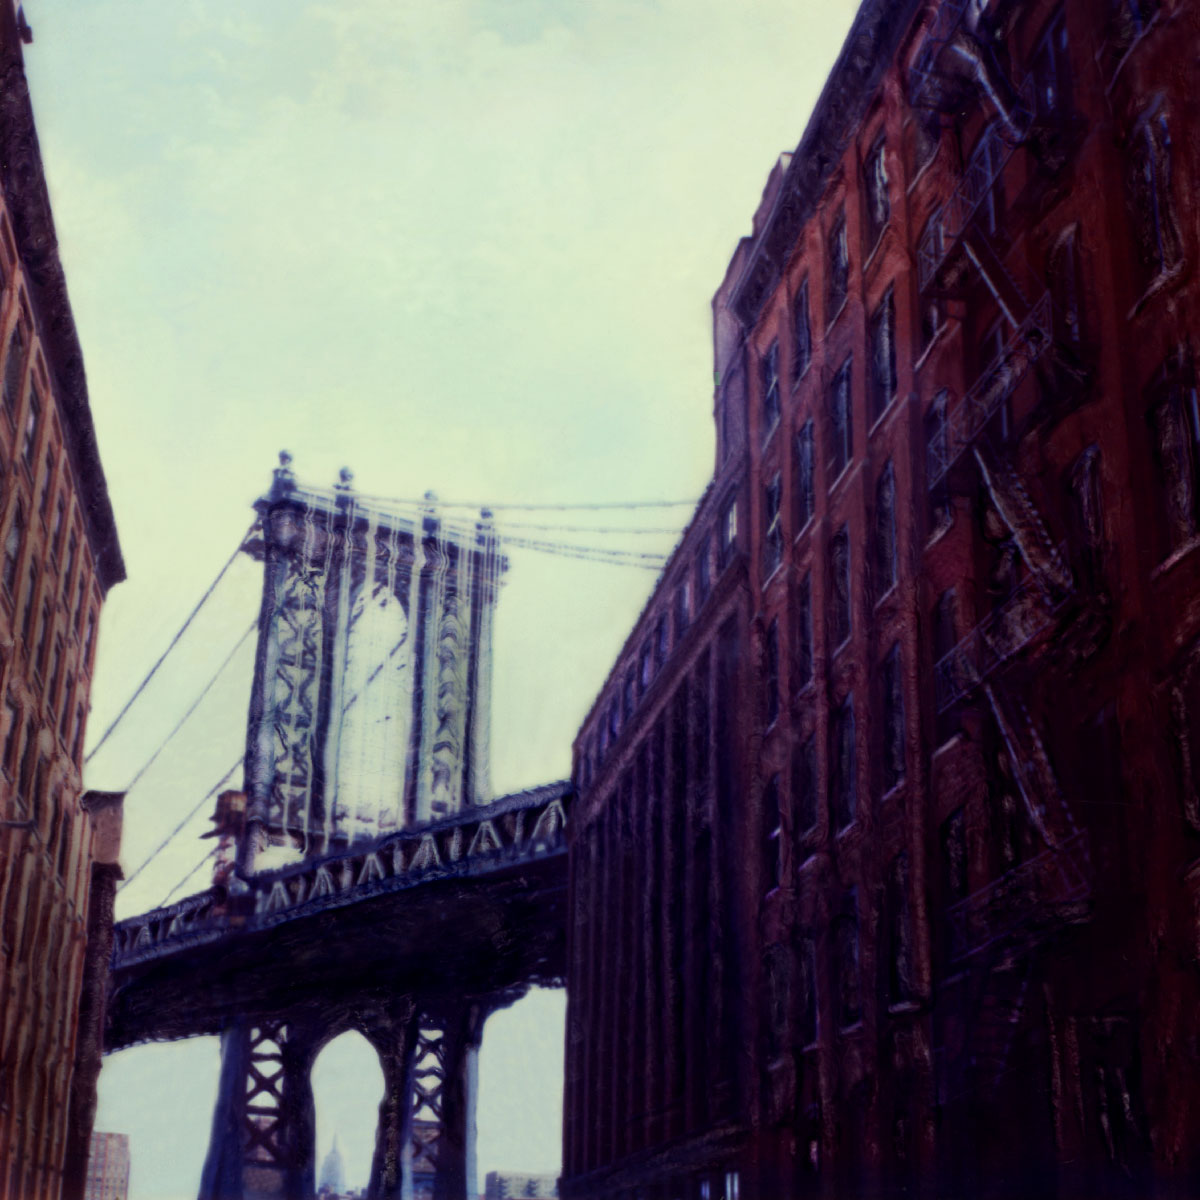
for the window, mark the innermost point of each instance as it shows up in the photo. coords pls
(899, 948)
(91, 637)
(39, 664)
(841, 443)
(627, 695)
(66, 706)
(14, 371)
(804, 784)
(769, 379)
(806, 961)
(1050, 72)
(843, 766)
(772, 836)
(55, 673)
(1087, 514)
(728, 531)
(614, 721)
(703, 575)
(839, 267)
(875, 181)
(1150, 185)
(47, 485)
(646, 669)
(883, 355)
(28, 762)
(771, 672)
(1175, 419)
(839, 587)
(1066, 289)
(801, 333)
(804, 475)
(12, 735)
(33, 420)
(804, 638)
(846, 963)
(72, 551)
(30, 601)
(892, 720)
(77, 742)
(772, 526)
(937, 463)
(884, 540)
(954, 857)
(683, 614)
(12, 546)
(931, 250)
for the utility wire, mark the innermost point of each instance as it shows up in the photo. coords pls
(496, 506)
(186, 877)
(174, 642)
(212, 791)
(195, 704)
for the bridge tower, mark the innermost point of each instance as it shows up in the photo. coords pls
(369, 716)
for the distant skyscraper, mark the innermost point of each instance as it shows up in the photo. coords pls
(501, 1185)
(108, 1167)
(333, 1175)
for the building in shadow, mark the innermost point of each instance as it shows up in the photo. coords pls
(885, 866)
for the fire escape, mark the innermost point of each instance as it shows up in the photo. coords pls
(999, 927)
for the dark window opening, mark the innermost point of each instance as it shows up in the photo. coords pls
(728, 532)
(899, 947)
(875, 179)
(33, 419)
(937, 464)
(772, 836)
(844, 766)
(1051, 72)
(12, 546)
(771, 672)
(841, 443)
(885, 532)
(1176, 423)
(806, 991)
(804, 638)
(772, 525)
(1157, 232)
(893, 721)
(839, 587)
(883, 355)
(769, 378)
(805, 493)
(804, 785)
(14, 372)
(846, 963)
(801, 333)
(683, 609)
(839, 267)
(703, 575)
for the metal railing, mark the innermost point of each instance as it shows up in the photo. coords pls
(967, 419)
(946, 23)
(1024, 617)
(477, 841)
(1025, 900)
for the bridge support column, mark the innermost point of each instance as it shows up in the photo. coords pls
(454, 1155)
(264, 1128)
(394, 1037)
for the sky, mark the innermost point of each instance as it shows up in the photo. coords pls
(467, 246)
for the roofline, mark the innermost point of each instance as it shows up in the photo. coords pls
(24, 181)
(866, 54)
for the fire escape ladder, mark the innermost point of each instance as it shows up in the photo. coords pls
(1033, 772)
(998, 1018)
(1017, 510)
(996, 277)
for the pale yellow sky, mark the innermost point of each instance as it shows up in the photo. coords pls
(467, 246)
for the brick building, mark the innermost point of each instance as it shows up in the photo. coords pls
(108, 1167)
(58, 557)
(887, 874)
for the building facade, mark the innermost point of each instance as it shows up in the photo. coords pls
(108, 1167)
(59, 555)
(920, 910)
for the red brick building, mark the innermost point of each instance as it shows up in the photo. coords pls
(59, 555)
(887, 874)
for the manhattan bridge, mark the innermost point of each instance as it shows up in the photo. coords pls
(364, 877)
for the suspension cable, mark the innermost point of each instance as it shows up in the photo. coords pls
(174, 642)
(188, 876)
(212, 791)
